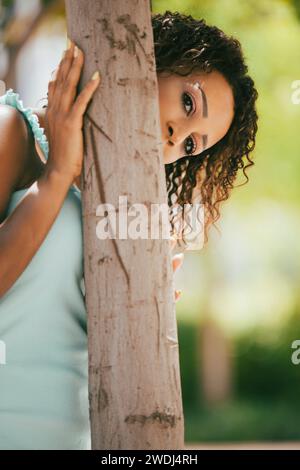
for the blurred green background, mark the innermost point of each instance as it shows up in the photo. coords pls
(240, 307)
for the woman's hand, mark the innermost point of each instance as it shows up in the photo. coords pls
(64, 115)
(177, 261)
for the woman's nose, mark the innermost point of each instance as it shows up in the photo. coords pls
(176, 134)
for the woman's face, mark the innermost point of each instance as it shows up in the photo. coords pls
(195, 112)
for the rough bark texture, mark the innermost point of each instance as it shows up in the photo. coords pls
(134, 376)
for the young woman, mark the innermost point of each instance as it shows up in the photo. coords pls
(208, 125)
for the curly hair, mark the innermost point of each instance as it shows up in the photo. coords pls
(184, 45)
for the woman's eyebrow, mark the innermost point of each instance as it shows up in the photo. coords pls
(204, 102)
(204, 114)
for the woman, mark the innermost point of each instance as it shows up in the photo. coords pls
(208, 124)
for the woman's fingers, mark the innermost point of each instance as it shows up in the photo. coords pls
(72, 79)
(85, 95)
(177, 261)
(177, 295)
(51, 86)
(64, 116)
(55, 85)
(65, 65)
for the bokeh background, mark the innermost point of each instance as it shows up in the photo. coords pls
(240, 307)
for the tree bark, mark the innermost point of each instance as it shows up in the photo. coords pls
(134, 376)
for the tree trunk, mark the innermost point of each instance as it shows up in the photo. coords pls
(134, 376)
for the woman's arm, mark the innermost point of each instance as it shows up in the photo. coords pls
(23, 231)
(26, 227)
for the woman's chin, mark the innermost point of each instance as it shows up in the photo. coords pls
(168, 159)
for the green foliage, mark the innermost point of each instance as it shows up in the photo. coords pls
(265, 402)
(296, 5)
(243, 421)
(263, 368)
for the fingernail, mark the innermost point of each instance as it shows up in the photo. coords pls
(96, 75)
(178, 292)
(75, 51)
(69, 43)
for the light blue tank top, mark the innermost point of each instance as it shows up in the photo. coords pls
(43, 324)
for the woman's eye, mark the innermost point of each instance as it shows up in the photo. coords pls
(187, 101)
(192, 146)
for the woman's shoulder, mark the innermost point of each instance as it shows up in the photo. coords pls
(10, 116)
(13, 153)
(13, 130)
(12, 99)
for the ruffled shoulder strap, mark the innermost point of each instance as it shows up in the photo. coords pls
(11, 98)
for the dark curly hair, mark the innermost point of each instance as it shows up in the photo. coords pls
(184, 45)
